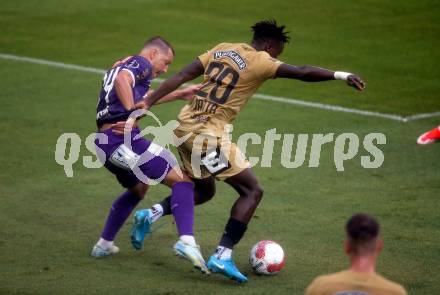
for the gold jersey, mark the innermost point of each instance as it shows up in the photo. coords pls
(350, 283)
(233, 72)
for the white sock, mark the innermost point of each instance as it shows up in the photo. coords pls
(156, 213)
(190, 240)
(104, 244)
(223, 252)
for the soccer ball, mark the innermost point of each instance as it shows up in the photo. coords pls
(267, 257)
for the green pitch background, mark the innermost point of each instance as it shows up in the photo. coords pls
(48, 222)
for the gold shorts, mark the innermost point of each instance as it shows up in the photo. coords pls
(204, 155)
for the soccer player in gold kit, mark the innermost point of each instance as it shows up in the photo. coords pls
(363, 246)
(231, 73)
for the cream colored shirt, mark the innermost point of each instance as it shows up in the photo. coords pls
(233, 72)
(353, 283)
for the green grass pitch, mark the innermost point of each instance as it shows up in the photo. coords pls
(48, 222)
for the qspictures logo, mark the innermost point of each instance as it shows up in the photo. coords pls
(217, 154)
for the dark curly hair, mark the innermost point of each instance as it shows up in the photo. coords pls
(268, 29)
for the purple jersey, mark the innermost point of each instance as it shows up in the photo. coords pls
(110, 108)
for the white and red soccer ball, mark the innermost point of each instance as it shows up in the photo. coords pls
(267, 257)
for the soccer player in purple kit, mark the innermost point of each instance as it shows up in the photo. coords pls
(124, 86)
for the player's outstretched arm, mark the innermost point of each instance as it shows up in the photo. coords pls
(188, 73)
(186, 93)
(316, 74)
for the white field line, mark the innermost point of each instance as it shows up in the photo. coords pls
(329, 107)
(422, 116)
(50, 63)
(261, 96)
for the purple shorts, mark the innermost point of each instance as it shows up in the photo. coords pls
(138, 160)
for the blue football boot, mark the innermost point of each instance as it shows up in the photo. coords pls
(141, 228)
(98, 251)
(191, 253)
(227, 268)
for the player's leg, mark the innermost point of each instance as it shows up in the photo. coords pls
(204, 184)
(125, 203)
(182, 206)
(204, 190)
(178, 203)
(429, 136)
(119, 212)
(250, 194)
(239, 175)
(144, 218)
(161, 163)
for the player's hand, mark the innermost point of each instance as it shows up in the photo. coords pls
(356, 82)
(122, 127)
(141, 105)
(188, 93)
(121, 61)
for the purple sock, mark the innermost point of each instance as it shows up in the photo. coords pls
(119, 212)
(182, 206)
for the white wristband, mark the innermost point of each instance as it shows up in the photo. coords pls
(342, 75)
